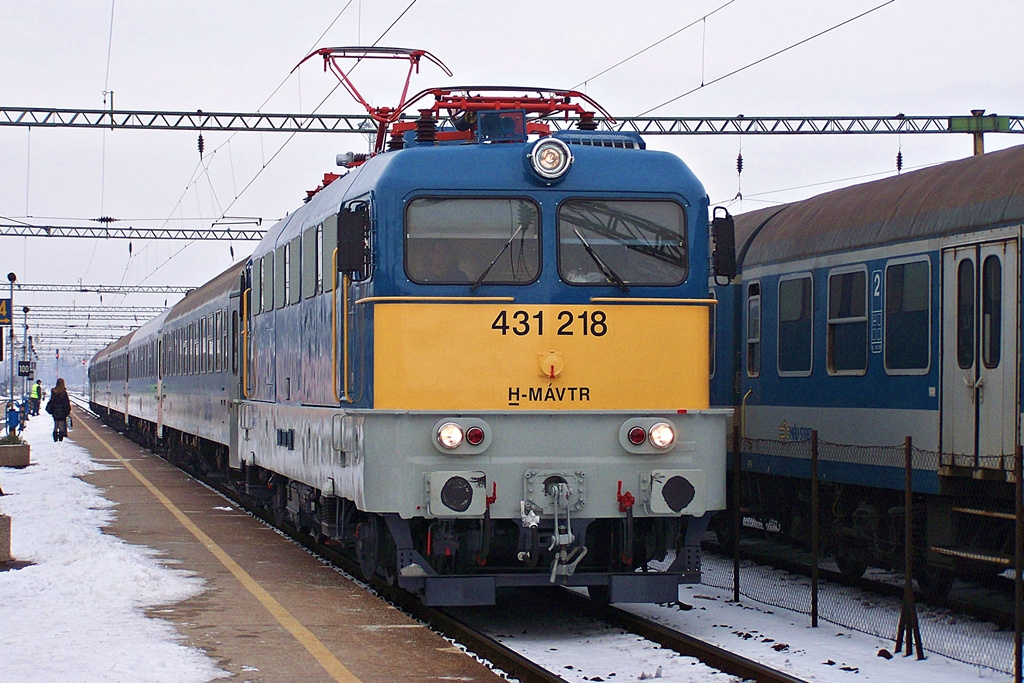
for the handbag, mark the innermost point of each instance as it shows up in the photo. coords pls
(69, 422)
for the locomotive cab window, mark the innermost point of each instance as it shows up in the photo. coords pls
(795, 326)
(629, 241)
(847, 339)
(472, 240)
(907, 309)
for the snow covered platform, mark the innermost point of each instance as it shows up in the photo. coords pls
(138, 572)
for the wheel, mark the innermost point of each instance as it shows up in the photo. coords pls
(602, 595)
(366, 548)
(934, 582)
(722, 525)
(850, 567)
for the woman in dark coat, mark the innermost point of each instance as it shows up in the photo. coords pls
(59, 406)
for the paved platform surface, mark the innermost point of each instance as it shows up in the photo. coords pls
(271, 611)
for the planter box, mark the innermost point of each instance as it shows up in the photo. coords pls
(5, 538)
(14, 456)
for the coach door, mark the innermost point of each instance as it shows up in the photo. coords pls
(980, 359)
(159, 363)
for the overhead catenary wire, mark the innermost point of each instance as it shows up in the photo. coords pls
(653, 45)
(758, 196)
(266, 163)
(766, 58)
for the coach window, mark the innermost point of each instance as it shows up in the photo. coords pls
(194, 330)
(204, 345)
(991, 311)
(282, 269)
(255, 303)
(328, 241)
(472, 240)
(311, 262)
(294, 271)
(907, 309)
(602, 242)
(234, 346)
(267, 271)
(208, 361)
(847, 342)
(754, 329)
(965, 314)
(795, 326)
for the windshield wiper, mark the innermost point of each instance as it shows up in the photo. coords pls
(606, 270)
(479, 280)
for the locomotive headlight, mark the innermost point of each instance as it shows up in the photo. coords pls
(449, 435)
(662, 435)
(550, 158)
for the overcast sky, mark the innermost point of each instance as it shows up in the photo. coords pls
(919, 57)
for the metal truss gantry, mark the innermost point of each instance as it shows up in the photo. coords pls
(104, 289)
(51, 117)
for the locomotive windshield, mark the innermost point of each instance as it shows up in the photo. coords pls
(472, 240)
(622, 242)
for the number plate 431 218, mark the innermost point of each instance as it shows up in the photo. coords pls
(524, 322)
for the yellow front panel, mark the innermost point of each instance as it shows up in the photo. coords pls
(490, 357)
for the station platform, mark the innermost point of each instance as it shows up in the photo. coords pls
(271, 611)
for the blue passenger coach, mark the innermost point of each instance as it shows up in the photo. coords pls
(475, 359)
(873, 313)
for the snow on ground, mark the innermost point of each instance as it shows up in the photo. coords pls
(78, 611)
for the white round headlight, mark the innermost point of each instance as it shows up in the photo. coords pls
(662, 435)
(449, 435)
(550, 158)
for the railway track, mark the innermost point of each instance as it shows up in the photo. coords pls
(449, 623)
(990, 605)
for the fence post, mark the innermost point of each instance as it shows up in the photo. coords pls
(908, 624)
(1018, 563)
(737, 515)
(815, 537)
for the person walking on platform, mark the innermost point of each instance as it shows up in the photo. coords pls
(35, 395)
(59, 406)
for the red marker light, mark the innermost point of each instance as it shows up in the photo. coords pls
(474, 436)
(637, 435)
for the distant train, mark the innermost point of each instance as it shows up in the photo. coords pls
(872, 313)
(477, 359)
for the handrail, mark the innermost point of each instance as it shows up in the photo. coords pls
(245, 342)
(620, 300)
(743, 414)
(344, 397)
(418, 299)
(344, 337)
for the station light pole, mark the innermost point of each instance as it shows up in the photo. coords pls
(24, 350)
(12, 278)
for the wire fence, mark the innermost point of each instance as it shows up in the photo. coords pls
(819, 516)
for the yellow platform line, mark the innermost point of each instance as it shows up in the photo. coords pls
(305, 637)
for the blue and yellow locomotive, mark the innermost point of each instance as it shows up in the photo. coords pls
(477, 359)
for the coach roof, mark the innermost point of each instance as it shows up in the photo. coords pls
(970, 194)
